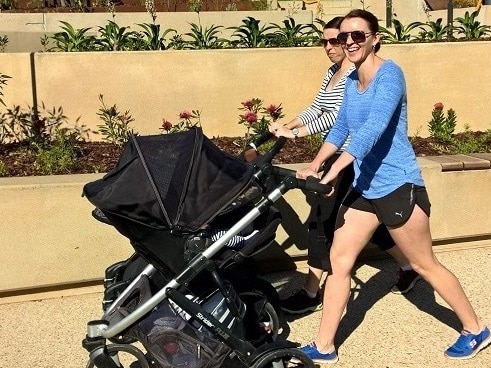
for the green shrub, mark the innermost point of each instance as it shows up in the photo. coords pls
(8, 4)
(250, 34)
(115, 125)
(71, 39)
(59, 157)
(470, 28)
(294, 35)
(401, 33)
(440, 126)
(3, 82)
(4, 171)
(464, 3)
(433, 31)
(32, 126)
(4, 40)
(469, 143)
(315, 142)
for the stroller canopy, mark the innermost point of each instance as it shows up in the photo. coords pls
(177, 181)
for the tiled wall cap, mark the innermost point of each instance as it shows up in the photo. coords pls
(459, 162)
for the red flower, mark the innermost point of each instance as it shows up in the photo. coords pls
(274, 111)
(166, 125)
(438, 106)
(250, 117)
(248, 104)
(185, 115)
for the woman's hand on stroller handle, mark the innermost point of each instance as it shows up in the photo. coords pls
(304, 173)
(311, 183)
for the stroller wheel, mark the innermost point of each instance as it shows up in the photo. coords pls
(126, 356)
(268, 325)
(259, 286)
(282, 358)
(261, 320)
(123, 340)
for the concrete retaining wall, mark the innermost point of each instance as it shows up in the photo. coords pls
(159, 84)
(49, 238)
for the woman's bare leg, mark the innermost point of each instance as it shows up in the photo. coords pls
(414, 240)
(354, 229)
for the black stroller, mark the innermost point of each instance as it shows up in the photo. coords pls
(183, 296)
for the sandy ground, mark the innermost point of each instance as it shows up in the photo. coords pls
(379, 329)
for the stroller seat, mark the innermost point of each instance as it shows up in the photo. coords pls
(234, 263)
(264, 227)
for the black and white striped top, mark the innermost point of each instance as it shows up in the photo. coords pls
(238, 241)
(321, 115)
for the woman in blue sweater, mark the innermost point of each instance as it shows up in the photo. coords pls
(388, 189)
(319, 118)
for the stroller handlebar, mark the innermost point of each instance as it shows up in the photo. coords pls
(280, 142)
(311, 184)
(263, 138)
(253, 146)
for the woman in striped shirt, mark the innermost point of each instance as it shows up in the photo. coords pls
(321, 115)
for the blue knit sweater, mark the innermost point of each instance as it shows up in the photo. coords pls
(376, 120)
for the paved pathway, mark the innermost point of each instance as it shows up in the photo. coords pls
(379, 330)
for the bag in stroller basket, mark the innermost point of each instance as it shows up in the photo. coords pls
(169, 335)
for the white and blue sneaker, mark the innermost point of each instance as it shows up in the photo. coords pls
(468, 344)
(317, 357)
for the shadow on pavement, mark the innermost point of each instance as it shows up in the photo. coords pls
(364, 295)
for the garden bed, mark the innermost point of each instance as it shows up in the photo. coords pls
(94, 157)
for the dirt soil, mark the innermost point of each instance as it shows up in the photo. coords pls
(102, 157)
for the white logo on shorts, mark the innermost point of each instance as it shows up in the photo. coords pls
(399, 214)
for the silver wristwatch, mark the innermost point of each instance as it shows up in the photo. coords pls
(295, 132)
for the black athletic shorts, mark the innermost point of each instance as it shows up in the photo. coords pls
(395, 208)
(322, 221)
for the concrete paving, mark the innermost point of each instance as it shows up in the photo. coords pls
(379, 329)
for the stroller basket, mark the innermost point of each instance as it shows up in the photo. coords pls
(168, 333)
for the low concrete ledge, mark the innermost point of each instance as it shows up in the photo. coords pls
(476, 161)
(50, 240)
(49, 237)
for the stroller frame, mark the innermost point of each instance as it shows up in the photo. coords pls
(100, 330)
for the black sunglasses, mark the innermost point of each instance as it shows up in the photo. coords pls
(356, 36)
(332, 41)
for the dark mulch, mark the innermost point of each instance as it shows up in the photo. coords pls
(93, 157)
(102, 157)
